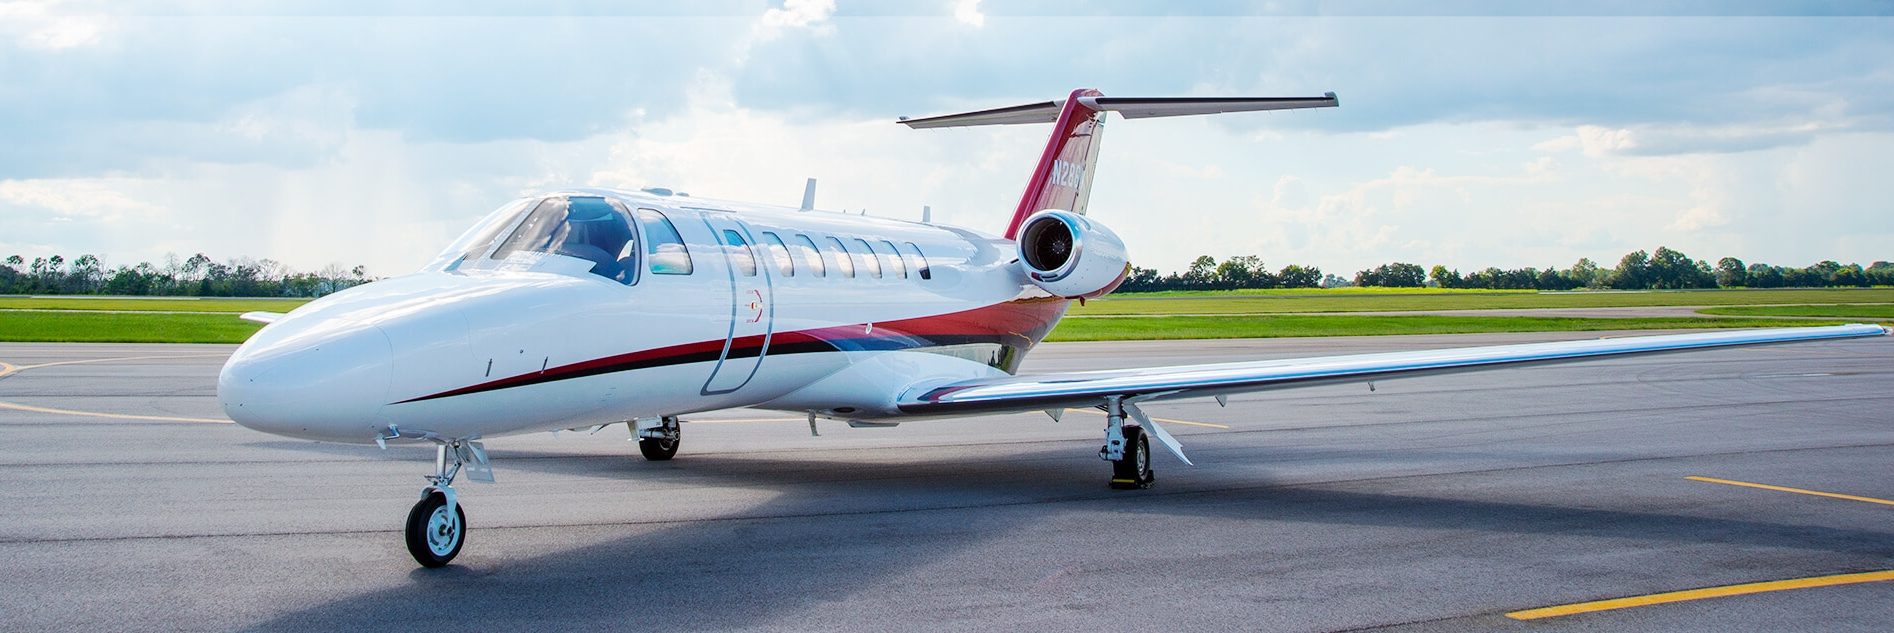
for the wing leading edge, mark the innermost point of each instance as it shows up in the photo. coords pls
(1048, 391)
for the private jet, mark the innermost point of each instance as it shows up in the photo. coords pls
(579, 308)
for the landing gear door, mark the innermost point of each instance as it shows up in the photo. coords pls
(752, 306)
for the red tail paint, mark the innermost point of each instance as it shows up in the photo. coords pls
(1063, 179)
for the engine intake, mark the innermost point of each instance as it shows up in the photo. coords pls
(1070, 255)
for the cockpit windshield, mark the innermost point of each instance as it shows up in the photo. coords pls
(592, 229)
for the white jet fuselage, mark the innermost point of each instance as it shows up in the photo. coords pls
(478, 346)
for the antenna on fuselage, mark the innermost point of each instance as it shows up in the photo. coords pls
(808, 196)
(927, 214)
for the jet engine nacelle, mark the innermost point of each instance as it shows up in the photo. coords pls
(1070, 255)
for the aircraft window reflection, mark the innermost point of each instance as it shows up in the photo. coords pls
(842, 263)
(740, 256)
(919, 261)
(779, 253)
(893, 255)
(588, 228)
(868, 258)
(663, 245)
(811, 258)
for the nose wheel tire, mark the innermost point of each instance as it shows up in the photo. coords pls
(435, 531)
(1134, 471)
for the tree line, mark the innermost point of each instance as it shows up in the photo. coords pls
(1242, 271)
(195, 276)
(1637, 270)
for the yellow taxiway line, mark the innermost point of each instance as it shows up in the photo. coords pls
(1207, 425)
(1800, 491)
(100, 414)
(7, 369)
(1700, 594)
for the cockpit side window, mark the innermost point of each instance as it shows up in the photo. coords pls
(588, 228)
(663, 246)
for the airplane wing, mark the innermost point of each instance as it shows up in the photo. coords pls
(1090, 388)
(261, 317)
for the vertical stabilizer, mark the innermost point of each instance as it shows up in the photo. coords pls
(1063, 179)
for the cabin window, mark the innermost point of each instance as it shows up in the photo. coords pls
(918, 261)
(811, 258)
(586, 228)
(893, 256)
(663, 246)
(868, 258)
(779, 253)
(842, 263)
(741, 258)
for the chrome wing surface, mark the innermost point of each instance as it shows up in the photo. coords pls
(1081, 389)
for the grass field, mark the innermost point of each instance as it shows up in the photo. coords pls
(1340, 300)
(1883, 311)
(153, 304)
(1239, 314)
(111, 327)
(1206, 327)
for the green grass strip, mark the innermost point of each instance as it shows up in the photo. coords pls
(1299, 301)
(150, 304)
(107, 327)
(1213, 327)
(1841, 311)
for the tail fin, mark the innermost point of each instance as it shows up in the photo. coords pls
(1063, 179)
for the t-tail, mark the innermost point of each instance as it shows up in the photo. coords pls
(1063, 177)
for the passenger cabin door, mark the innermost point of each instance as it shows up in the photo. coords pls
(752, 305)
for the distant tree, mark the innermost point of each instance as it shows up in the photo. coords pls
(1881, 273)
(1730, 272)
(1633, 271)
(1446, 278)
(1242, 271)
(1294, 276)
(1335, 281)
(1202, 272)
(1394, 275)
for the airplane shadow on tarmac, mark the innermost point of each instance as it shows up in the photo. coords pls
(820, 542)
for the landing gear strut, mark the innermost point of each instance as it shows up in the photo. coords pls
(658, 442)
(1127, 448)
(437, 527)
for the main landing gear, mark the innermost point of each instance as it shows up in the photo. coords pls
(437, 527)
(658, 439)
(1128, 443)
(1126, 447)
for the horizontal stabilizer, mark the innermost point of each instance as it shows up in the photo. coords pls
(1128, 107)
(261, 317)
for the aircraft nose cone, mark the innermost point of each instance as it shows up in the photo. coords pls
(325, 386)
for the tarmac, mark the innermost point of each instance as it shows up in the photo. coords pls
(1439, 503)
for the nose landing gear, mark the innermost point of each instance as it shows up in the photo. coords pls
(437, 527)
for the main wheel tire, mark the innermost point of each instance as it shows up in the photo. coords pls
(1134, 471)
(434, 537)
(657, 450)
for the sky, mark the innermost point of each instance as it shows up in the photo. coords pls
(1470, 134)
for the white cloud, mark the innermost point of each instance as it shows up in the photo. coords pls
(812, 15)
(39, 25)
(968, 12)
